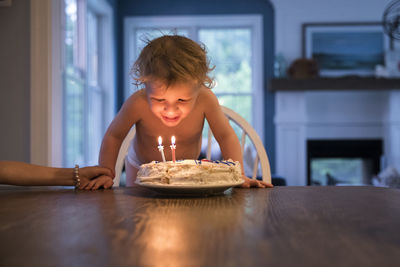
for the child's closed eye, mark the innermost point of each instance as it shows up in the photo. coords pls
(157, 99)
(183, 100)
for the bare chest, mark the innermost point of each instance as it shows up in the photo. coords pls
(187, 133)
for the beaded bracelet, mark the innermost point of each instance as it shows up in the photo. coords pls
(76, 176)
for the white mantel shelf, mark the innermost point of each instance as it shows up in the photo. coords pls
(344, 83)
(328, 114)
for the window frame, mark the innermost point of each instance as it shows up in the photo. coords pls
(193, 23)
(46, 72)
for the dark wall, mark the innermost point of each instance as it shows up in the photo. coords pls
(114, 5)
(126, 8)
(15, 81)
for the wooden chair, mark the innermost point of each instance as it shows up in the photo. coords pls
(247, 131)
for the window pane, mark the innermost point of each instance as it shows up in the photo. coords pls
(85, 82)
(239, 103)
(95, 124)
(73, 90)
(73, 114)
(242, 106)
(95, 92)
(92, 51)
(230, 51)
(71, 40)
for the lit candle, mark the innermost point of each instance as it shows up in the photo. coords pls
(161, 148)
(173, 147)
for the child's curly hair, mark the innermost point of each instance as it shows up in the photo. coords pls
(171, 59)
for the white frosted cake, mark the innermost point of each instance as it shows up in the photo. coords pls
(191, 172)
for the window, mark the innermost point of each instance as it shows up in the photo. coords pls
(234, 45)
(88, 97)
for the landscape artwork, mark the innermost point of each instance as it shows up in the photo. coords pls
(341, 51)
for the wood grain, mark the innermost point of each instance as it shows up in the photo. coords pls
(283, 226)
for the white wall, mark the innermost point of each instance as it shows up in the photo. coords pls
(291, 14)
(302, 115)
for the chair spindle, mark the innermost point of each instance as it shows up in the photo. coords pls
(255, 167)
(209, 141)
(243, 141)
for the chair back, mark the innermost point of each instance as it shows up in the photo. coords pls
(261, 157)
(123, 151)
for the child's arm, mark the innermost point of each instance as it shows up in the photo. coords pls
(117, 131)
(101, 181)
(226, 137)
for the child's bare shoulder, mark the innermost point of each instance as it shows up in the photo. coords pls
(137, 100)
(207, 97)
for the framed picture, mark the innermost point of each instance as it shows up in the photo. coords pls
(342, 49)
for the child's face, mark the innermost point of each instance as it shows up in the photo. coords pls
(171, 105)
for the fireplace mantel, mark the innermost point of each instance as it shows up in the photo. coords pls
(345, 83)
(302, 115)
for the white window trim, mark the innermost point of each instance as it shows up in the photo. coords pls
(46, 83)
(46, 90)
(255, 22)
(106, 33)
(106, 64)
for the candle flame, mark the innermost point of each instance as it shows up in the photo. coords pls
(159, 140)
(173, 139)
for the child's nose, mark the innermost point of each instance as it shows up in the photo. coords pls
(170, 107)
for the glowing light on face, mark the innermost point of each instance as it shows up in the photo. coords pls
(171, 104)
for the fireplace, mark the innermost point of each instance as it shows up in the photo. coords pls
(336, 118)
(343, 162)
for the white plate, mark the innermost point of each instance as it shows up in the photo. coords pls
(190, 190)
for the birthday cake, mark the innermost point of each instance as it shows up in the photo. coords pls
(191, 172)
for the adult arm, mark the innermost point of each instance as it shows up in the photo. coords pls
(20, 173)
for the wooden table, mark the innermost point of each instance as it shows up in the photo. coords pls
(283, 226)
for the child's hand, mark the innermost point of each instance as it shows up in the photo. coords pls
(87, 176)
(254, 183)
(101, 181)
